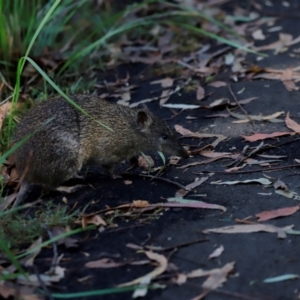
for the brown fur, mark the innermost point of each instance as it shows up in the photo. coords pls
(61, 146)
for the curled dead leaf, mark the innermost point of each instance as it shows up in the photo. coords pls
(92, 219)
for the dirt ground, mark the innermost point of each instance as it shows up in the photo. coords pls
(179, 231)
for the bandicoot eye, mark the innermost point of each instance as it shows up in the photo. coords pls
(164, 137)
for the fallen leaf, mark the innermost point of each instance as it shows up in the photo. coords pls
(189, 187)
(249, 228)
(162, 262)
(281, 278)
(217, 279)
(281, 45)
(180, 202)
(68, 241)
(258, 34)
(200, 93)
(276, 213)
(246, 118)
(214, 154)
(263, 181)
(166, 93)
(9, 289)
(28, 261)
(217, 84)
(217, 252)
(4, 110)
(291, 124)
(262, 136)
(278, 184)
(56, 275)
(287, 80)
(140, 203)
(105, 263)
(181, 106)
(288, 194)
(187, 133)
(201, 273)
(180, 279)
(92, 219)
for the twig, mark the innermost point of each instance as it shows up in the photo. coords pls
(158, 178)
(239, 105)
(172, 92)
(46, 292)
(251, 171)
(239, 159)
(240, 296)
(243, 157)
(180, 245)
(54, 262)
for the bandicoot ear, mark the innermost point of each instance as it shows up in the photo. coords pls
(143, 120)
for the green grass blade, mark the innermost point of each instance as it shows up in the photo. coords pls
(5, 249)
(54, 239)
(104, 291)
(221, 39)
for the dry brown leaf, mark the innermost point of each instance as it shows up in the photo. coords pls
(234, 169)
(258, 34)
(9, 289)
(291, 124)
(213, 154)
(92, 219)
(104, 263)
(162, 262)
(68, 241)
(165, 83)
(246, 118)
(187, 133)
(180, 279)
(140, 203)
(4, 110)
(201, 273)
(279, 46)
(278, 184)
(262, 136)
(249, 228)
(29, 260)
(189, 187)
(56, 275)
(287, 80)
(277, 213)
(180, 202)
(217, 84)
(200, 93)
(217, 279)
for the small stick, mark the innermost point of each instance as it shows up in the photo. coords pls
(42, 284)
(239, 105)
(54, 262)
(251, 171)
(159, 178)
(179, 245)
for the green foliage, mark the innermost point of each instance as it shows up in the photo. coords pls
(18, 229)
